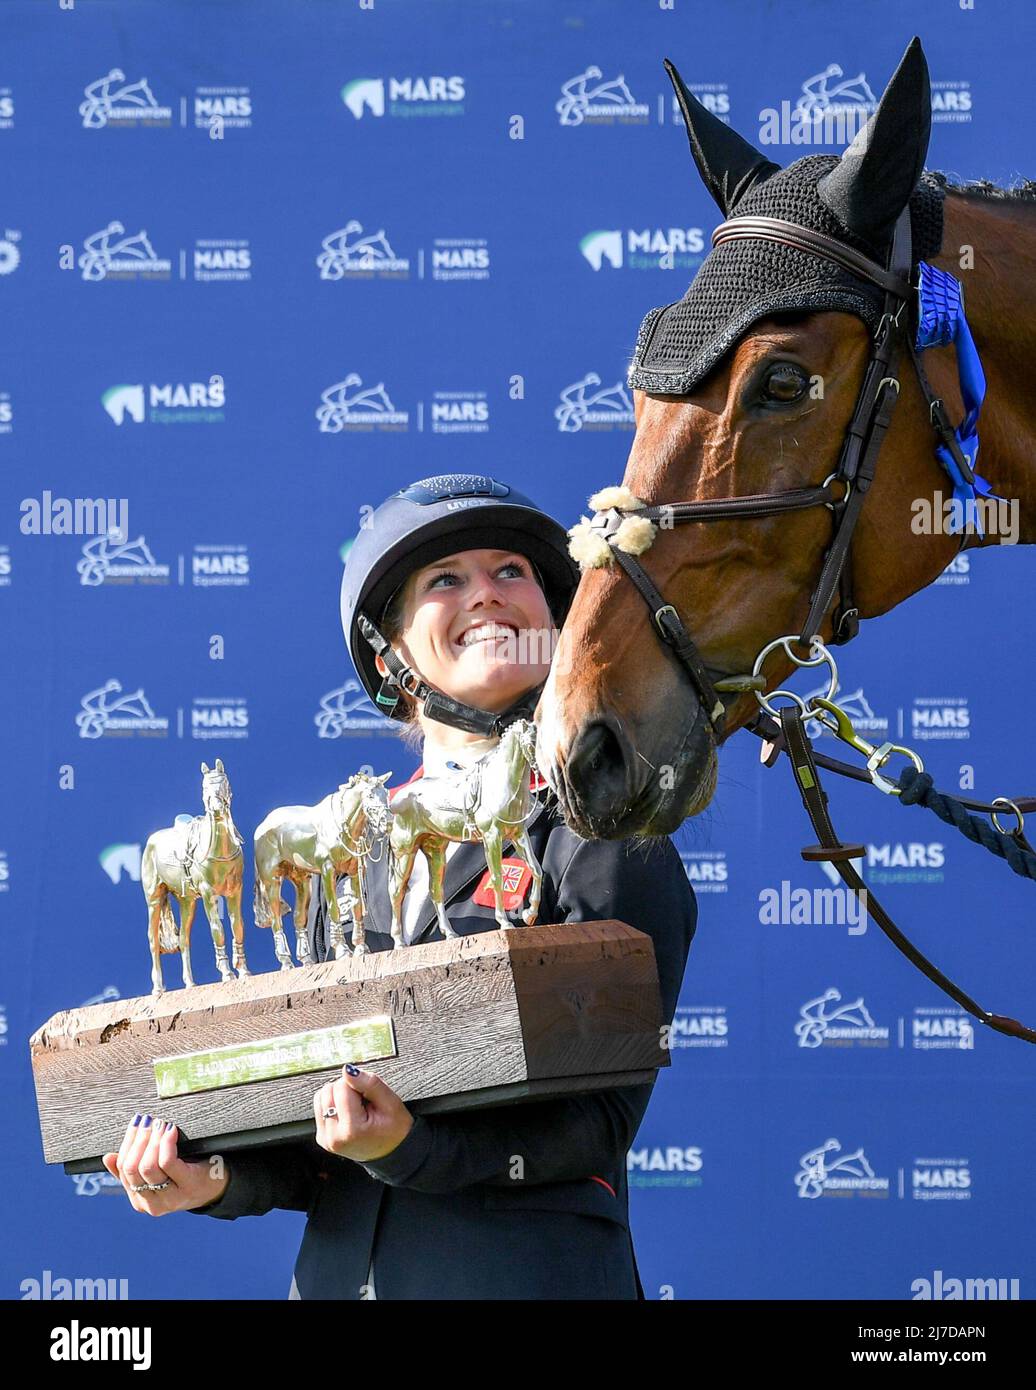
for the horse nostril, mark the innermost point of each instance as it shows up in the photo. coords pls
(597, 771)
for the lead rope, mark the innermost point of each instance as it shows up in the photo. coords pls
(831, 850)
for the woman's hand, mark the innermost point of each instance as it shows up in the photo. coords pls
(148, 1155)
(370, 1119)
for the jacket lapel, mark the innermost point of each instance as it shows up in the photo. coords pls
(465, 864)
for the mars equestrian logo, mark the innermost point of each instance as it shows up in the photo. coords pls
(109, 712)
(119, 859)
(957, 572)
(940, 1180)
(645, 248)
(347, 710)
(459, 412)
(704, 1026)
(404, 96)
(589, 405)
(706, 869)
(591, 99)
(951, 102)
(220, 567)
(168, 403)
(115, 101)
(106, 561)
(222, 717)
(351, 253)
(115, 254)
(906, 862)
(460, 258)
(675, 1165)
(938, 1029)
(828, 1172)
(221, 260)
(222, 108)
(831, 1021)
(714, 96)
(940, 718)
(348, 405)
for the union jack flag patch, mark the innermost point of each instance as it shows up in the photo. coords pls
(516, 879)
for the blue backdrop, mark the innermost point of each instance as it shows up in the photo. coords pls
(263, 263)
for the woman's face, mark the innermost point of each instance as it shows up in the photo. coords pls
(477, 627)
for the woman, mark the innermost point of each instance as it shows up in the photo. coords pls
(452, 598)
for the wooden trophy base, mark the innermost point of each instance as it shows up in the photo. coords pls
(485, 1019)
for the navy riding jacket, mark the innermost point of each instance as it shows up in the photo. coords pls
(440, 1216)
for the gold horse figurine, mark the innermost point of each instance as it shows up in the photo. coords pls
(491, 803)
(332, 838)
(198, 857)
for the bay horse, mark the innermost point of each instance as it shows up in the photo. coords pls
(625, 739)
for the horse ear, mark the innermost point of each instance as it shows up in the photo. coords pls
(729, 165)
(383, 780)
(219, 764)
(872, 182)
(205, 768)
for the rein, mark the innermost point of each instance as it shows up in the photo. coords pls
(623, 526)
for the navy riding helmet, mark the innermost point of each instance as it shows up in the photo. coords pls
(418, 525)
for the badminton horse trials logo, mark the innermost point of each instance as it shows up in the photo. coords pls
(583, 407)
(348, 709)
(404, 96)
(110, 253)
(841, 1025)
(107, 560)
(587, 99)
(111, 100)
(365, 409)
(846, 1176)
(350, 251)
(107, 712)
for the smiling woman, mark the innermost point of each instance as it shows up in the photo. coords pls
(476, 623)
(451, 599)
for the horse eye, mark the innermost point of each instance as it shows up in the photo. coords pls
(784, 383)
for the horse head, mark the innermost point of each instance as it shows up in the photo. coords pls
(215, 789)
(747, 385)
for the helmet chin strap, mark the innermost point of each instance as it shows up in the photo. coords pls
(438, 706)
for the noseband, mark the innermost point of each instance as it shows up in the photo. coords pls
(623, 526)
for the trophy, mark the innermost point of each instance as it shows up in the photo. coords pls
(196, 857)
(490, 803)
(332, 839)
(484, 1018)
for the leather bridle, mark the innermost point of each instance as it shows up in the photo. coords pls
(844, 491)
(784, 730)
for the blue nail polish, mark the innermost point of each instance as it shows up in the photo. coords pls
(147, 1121)
(137, 1119)
(353, 1071)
